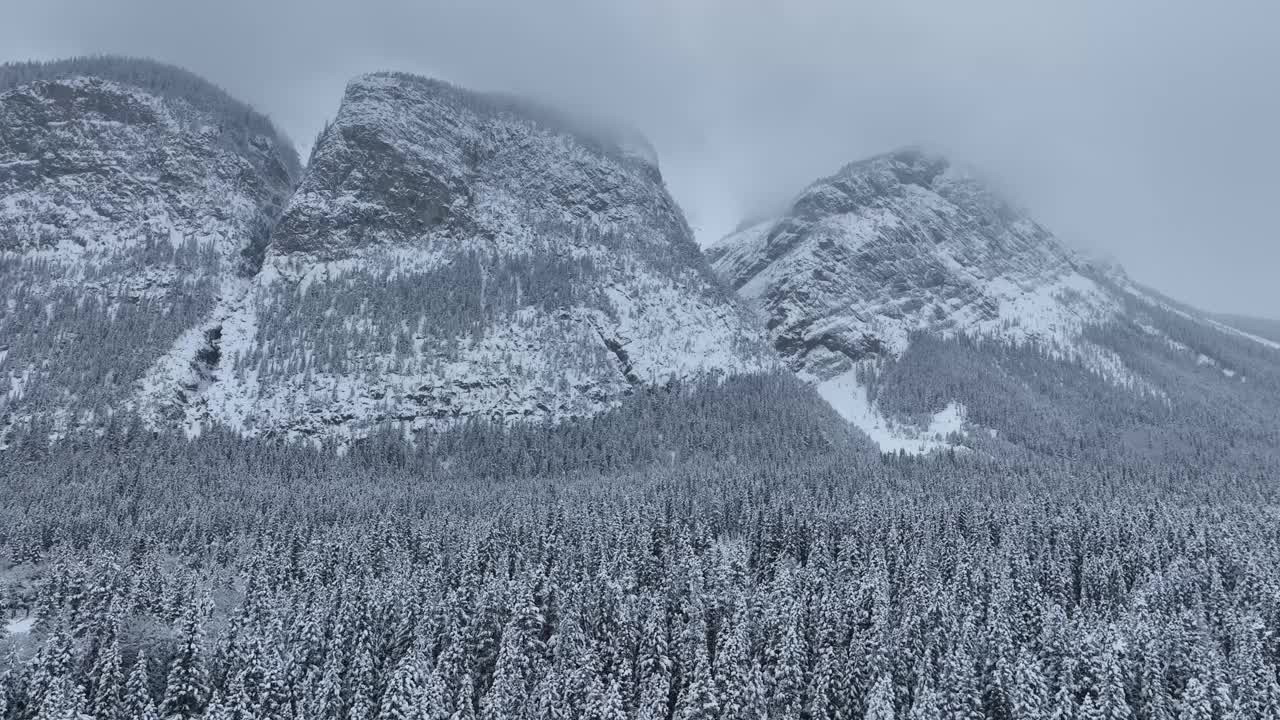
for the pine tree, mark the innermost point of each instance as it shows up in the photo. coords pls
(654, 697)
(138, 700)
(435, 698)
(360, 685)
(1030, 691)
(463, 701)
(960, 683)
(325, 702)
(1089, 709)
(832, 687)
(698, 700)
(1196, 702)
(219, 709)
(109, 684)
(1064, 705)
(1269, 706)
(880, 700)
(603, 702)
(740, 681)
(927, 704)
(1112, 703)
(553, 697)
(508, 693)
(62, 700)
(274, 701)
(187, 690)
(742, 694)
(1153, 696)
(54, 663)
(788, 686)
(1225, 705)
(404, 698)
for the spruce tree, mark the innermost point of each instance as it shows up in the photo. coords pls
(1030, 691)
(109, 691)
(404, 698)
(139, 702)
(187, 689)
(880, 704)
(1196, 702)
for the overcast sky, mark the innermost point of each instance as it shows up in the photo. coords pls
(1147, 129)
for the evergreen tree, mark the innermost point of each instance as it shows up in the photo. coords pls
(880, 701)
(109, 691)
(1112, 703)
(926, 705)
(464, 700)
(61, 700)
(1030, 691)
(405, 696)
(139, 702)
(1196, 702)
(698, 700)
(187, 690)
(603, 702)
(789, 684)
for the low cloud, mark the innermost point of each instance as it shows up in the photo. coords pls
(1144, 129)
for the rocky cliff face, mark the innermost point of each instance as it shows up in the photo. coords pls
(132, 196)
(905, 246)
(903, 243)
(452, 255)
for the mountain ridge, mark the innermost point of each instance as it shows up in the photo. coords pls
(127, 211)
(510, 270)
(452, 256)
(898, 262)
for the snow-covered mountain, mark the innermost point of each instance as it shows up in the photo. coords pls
(132, 196)
(905, 261)
(452, 255)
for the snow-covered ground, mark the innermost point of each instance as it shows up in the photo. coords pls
(19, 626)
(850, 400)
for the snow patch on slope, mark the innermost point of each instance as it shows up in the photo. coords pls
(850, 399)
(19, 626)
(178, 388)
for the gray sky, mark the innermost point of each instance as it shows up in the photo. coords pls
(1147, 129)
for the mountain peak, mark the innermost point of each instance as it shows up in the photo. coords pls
(910, 164)
(399, 162)
(923, 306)
(901, 244)
(609, 137)
(240, 123)
(453, 255)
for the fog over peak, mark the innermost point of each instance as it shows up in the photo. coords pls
(1144, 130)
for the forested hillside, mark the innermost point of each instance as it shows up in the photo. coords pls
(710, 573)
(137, 197)
(462, 426)
(1262, 327)
(933, 314)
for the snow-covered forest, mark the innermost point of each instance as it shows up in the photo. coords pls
(460, 424)
(729, 566)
